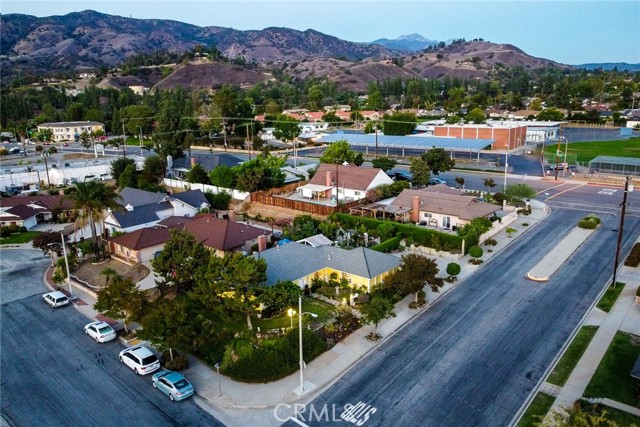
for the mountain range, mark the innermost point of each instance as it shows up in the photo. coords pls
(89, 39)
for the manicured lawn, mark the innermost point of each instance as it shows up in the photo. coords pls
(537, 409)
(24, 237)
(571, 357)
(311, 305)
(586, 151)
(622, 418)
(612, 379)
(610, 296)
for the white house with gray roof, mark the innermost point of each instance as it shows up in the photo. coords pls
(362, 267)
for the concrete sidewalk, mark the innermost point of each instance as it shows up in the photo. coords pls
(223, 397)
(624, 316)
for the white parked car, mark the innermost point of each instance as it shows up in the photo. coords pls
(100, 331)
(56, 299)
(140, 359)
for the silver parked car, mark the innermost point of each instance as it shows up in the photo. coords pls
(173, 384)
(56, 299)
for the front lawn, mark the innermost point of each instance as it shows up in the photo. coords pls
(537, 409)
(571, 357)
(309, 305)
(612, 379)
(24, 237)
(610, 296)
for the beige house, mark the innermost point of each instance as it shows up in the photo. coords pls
(69, 131)
(443, 207)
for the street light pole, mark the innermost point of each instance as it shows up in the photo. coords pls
(46, 166)
(300, 313)
(627, 188)
(506, 165)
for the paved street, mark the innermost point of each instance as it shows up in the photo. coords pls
(473, 358)
(54, 375)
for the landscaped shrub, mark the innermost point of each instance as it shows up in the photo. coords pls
(388, 245)
(633, 260)
(178, 363)
(453, 269)
(475, 251)
(490, 242)
(272, 359)
(475, 261)
(589, 222)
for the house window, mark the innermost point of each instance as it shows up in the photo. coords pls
(427, 215)
(446, 221)
(357, 193)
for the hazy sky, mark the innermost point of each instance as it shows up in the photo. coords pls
(567, 31)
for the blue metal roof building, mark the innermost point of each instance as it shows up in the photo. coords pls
(398, 145)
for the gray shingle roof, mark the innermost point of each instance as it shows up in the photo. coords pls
(140, 215)
(136, 197)
(295, 260)
(194, 198)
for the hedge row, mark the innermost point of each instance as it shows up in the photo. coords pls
(422, 236)
(273, 359)
(388, 245)
(633, 260)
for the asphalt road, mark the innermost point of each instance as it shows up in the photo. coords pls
(476, 354)
(54, 375)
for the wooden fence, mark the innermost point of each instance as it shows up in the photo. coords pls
(299, 205)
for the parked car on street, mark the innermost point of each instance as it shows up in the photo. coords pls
(100, 331)
(56, 299)
(436, 181)
(173, 384)
(140, 359)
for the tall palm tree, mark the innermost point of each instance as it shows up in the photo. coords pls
(91, 199)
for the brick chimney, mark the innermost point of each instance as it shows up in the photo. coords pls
(193, 162)
(262, 243)
(231, 215)
(328, 182)
(415, 209)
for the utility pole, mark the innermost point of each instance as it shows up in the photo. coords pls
(557, 152)
(627, 188)
(124, 141)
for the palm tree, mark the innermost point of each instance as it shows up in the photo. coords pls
(489, 183)
(91, 199)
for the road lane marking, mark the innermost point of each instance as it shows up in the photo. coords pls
(565, 191)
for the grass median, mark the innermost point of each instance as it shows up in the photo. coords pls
(570, 358)
(610, 296)
(537, 409)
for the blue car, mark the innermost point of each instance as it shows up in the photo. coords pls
(173, 384)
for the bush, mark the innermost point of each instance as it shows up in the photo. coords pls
(588, 224)
(475, 261)
(388, 245)
(475, 251)
(178, 363)
(490, 242)
(453, 269)
(633, 260)
(272, 359)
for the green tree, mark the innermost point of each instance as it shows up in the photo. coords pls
(173, 119)
(197, 174)
(519, 191)
(420, 170)
(121, 299)
(223, 176)
(91, 200)
(476, 116)
(489, 183)
(153, 171)
(459, 182)
(179, 262)
(138, 118)
(303, 226)
(376, 310)
(284, 294)
(415, 271)
(128, 178)
(550, 114)
(119, 165)
(286, 128)
(49, 241)
(331, 117)
(399, 123)
(75, 112)
(219, 200)
(384, 163)
(358, 160)
(438, 160)
(338, 152)
(260, 173)
(85, 139)
(168, 325)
